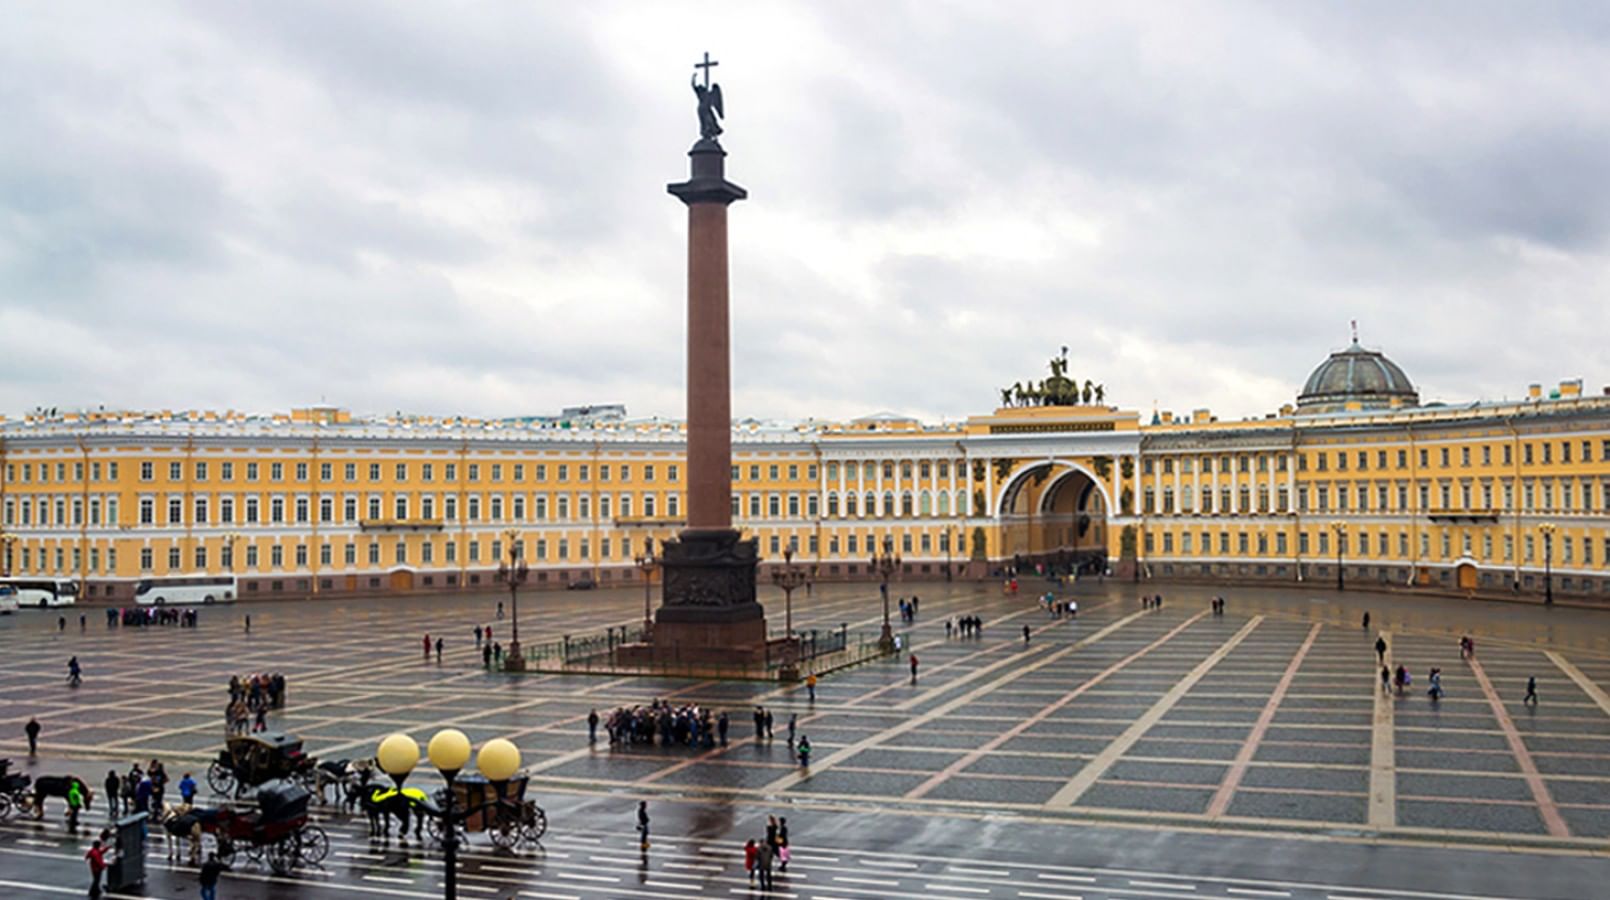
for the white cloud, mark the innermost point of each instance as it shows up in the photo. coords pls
(422, 207)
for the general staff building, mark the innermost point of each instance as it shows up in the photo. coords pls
(1482, 497)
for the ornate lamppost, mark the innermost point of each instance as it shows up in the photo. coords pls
(1340, 528)
(449, 752)
(230, 540)
(6, 540)
(950, 538)
(512, 573)
(788, 578)
(646, 562)
(885, 565)
(1547, 530)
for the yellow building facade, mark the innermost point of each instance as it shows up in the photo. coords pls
(1481, 497)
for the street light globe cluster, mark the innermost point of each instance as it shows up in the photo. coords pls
(449, 751)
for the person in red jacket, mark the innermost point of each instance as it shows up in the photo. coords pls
(97, 865)
(913, 668)
(751, 857)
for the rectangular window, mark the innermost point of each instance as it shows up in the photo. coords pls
(402, 472)
(326, 471)
(276, 471)
(301, 471)
(497, 471)
(145, 475)
(427, 472)
(276, 556)
(350, 471)
(374, 552)
(175, 472)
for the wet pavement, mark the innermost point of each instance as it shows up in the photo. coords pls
(1122, 745)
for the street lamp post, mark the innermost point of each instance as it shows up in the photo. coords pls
(230, 540)
(645, 563)
(1340, 528)
(788, 578)
(950, 538)
(513, 573)
(6, 540)
(885, 565)
(449, 752)
(1547, 529)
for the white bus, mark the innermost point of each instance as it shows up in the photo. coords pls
(206, 589)
(8, 600)
(42, 593)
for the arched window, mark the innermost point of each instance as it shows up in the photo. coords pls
(926, 504)
(905, 470)
(888, 504)
(888, 469)
(833, 504)
(849, 504)
(906, 505)
(869, 506)
(944, 503)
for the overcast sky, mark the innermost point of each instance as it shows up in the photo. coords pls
(461, 208)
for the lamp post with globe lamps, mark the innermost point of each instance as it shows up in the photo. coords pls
(449, 752)
(6, 540)
(885, 565)
(512, 573)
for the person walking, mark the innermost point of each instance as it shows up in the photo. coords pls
(75, 673)
(770, 721)
(768, 854)
(1386, 680)
(427, 646)
(592, 727)
(751, 858)
(187, 789)
(783, 852)
(486, 655)
(477, 630)
(1026, 634)
(113, 785)
(248, 623)
(642, 824)
(75, 802)
(438, 651)
(804, 751)
(1531, 691)
(96, 856)
(793, 727)
(500, 609)
(948, 628)
(1380, 649)
(1366, 620)
(210, 870)
(913, 668)
(810, 686)
(32, 730)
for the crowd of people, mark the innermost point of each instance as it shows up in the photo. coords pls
(250, 699)
(688, 725)
(137, 616)
(761, 857)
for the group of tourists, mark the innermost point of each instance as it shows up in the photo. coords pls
(761, 857)
(688, 725)
(908, 609)
(964, 626)
(1151, 601)
(151, 615)
(250, 698)
(1057, 608)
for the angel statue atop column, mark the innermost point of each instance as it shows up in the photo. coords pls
(709, 108)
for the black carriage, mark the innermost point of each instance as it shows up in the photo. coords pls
(15, 793)
(250, 760)
(277, 832)
(506, 816)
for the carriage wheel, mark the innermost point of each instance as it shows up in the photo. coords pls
(315, 845)
(505, 832)
(283, 854)
(536, 824)
(221, 780)
(5, 807)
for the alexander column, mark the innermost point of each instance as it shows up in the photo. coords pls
(708, 611)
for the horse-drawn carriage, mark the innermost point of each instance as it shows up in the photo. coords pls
(277, 832)
(506, 816)
(26, 796)
(15, 794)
(250, 760)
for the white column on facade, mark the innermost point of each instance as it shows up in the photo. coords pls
(1134, 499)
(1235, 483)
(1179, 461)
(1117, 487)
(1196, 484)
(989, 488)
(951, 503)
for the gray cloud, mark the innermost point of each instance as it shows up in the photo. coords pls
(454, 209)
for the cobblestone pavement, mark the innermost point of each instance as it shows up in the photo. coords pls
(1168, 743)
